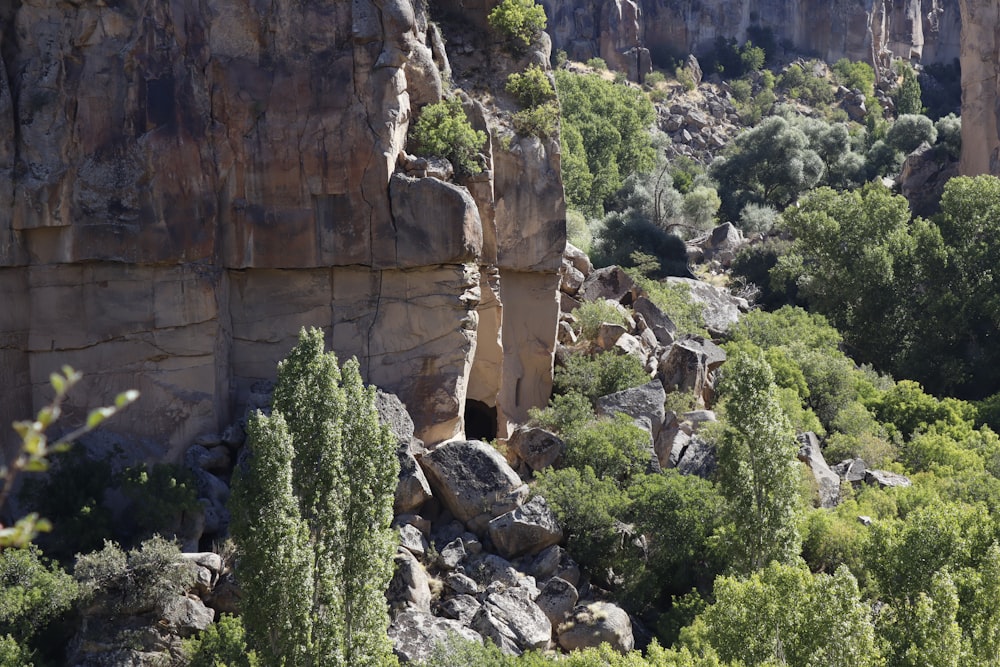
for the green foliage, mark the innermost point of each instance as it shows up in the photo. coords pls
(909, 131)
(758, 469)
(907, 95)
(597, 64)
(592, 314)
(14, 654)
(615, 449)
(856, 76)
(161, 495)
(540, 121)
(578, 230)
(785, 615)
(610, 133)
(700, 206)
(757, 218)
(771, 164)
(35, 600)
(674, 299)
(564, 413)
(136, 581)
(599, 375)
(222, 644)
(519, 21)
(654, 79)
(802, 83)
(532, 87)
(588, 508)
(949, 135)
(442, 130)
(311, 517)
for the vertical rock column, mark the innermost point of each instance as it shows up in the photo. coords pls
(980, 87)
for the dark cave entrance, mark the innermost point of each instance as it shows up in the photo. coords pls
(480, 420)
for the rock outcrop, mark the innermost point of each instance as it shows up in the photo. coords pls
(184, 185)
(980, 88)
(621, 31)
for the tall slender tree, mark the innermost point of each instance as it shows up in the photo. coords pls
(311, 517)
(758, 467)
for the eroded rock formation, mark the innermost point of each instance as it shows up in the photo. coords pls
(980, 88)
(617, 30)
(184, 185)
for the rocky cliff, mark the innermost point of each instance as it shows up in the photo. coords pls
(184, 185)
(980, 87)
(617, 30)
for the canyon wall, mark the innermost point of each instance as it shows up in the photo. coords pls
(980, 88)
(923, 30)
(185, 184)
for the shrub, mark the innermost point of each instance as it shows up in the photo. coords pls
(578, 230)
(443, 130)
(674, 299)
(592, 314)
(855, 75)
(949, 135)
(654, 79)
(909, 131)
(518, 20)
(615, 448)
(531, 87)
(34, 597)
(742, 90)
(757, 218)
(564, 413)
(598, 64)
(907, 95)
(700, 207)
(599, 375)
(222, 644)
(540, 121)
(161, 495)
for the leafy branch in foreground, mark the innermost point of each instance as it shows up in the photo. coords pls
(36, 448)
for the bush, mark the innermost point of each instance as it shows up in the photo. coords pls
(442, 130)
(949, 135)
(674, 299)
(160, 497)
(222, 644)
(757, 218)
(700, 207)
(540, 121)
(531, 87)
(615, 448)
(909, 131)
(855, 75)
(653, 79)
(598, 64)
(518, 20)
(578, 230)
(35, 597)
(599, 375)
(592, 314)
(907, 95)
(564, 413)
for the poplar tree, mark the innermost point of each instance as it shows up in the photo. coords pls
(312, 510)
(758, 467)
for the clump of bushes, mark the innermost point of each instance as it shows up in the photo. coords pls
(519, 20)
(443, 130)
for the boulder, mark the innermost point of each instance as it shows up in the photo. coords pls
(554, 562)
(596, 623)
(186, 616)
(525, 530)
(411, 539)
(491, 569)
(851, 470)
(557, 599)
(694, 457)
(644, 404)
(661, 325)
(461, 608)
(462, 584)
(720, 309)
(611, 282)
(412, 489)
(885, 479)
(452, 554)
(827, 481)
(513, 621)
(409, 587)
(536, 446)
(415, 633)
(608, 335)
(579, 259)
(393, 414)
(473, 480)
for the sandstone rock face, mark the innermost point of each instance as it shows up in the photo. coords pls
(618, 30)
(980, 88)
(184, 185)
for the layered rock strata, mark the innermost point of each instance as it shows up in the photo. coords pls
(980, 88)
(184, 185)
(619, 30)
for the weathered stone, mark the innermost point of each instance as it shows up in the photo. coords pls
(414, 634)
(461, 584)
(208, 560)
(572, 279)
(579, 259)
(216, 458)
(719, 308)
(461, 608)
(658, 321)
(525, 530)
(186, 616)
(411, 539)
(596, 623)
(608, 283)
(694, 457)
(393, 414)
(412, 489)
(452, 554)
(557, 598)
(980, 89)
(851, 470)
(489, 569)
(409, 587)
(554, 562)
(643, 403)
(513, 621)
(885, 479)
(473, 480)
(536, 447)
(827, 481)
(608, 335)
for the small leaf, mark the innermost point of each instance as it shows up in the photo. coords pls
(46, 416)
(22, 428)
(95, 417)
(43, 526)
(58, 383)
(126, 397)
(60, 448)
(36, 465)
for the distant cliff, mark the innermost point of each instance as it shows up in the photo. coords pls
(980, 87)
(924, 30)
(184, 185)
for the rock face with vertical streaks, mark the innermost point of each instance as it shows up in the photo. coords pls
(980, 88)
(184, 185)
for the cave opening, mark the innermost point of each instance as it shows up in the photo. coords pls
(480, 420)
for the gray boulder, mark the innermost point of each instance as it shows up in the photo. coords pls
(644, 404)
(611, 282)
(473, 480)
(658, 322)
(694, 457)
(409, 587)
(461, 608)
(525, 530)
(414, 634)
(513, 621)
(412, 489)
(720, 309)
(885, 479)
(593, 624)
(536, 446)
(827, 481)
(557, 598)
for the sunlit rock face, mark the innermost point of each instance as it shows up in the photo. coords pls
(980, 88)
(184, 185)
(925, 30)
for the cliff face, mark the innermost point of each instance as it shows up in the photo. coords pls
(927, 30)
(980, 88)
(184, 185)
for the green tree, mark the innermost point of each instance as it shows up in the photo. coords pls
(442, 130)
(759, 472)
(222, 644)
(907, 95)
(519, 20)
(311, 517)
(769, 164)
